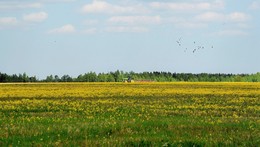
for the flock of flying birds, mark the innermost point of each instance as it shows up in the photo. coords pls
(195, 49)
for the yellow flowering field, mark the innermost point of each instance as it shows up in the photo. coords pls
(130, 114)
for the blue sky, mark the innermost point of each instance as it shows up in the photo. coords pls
(43, 37)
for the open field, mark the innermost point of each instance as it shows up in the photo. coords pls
(133, 114)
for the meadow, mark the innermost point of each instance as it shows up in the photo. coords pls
(130, 114)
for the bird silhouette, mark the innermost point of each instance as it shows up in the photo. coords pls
(197, 46)
(179, 41)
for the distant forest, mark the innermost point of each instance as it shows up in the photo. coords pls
(120, 76)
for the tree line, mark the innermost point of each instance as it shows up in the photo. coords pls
(119, 76)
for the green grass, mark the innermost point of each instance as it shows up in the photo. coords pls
(176, 120)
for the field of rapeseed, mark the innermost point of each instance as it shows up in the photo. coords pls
(130, 114)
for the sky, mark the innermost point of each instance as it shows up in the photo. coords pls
(44, 37)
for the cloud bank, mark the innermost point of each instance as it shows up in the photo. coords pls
(66, 29)
(35, 17)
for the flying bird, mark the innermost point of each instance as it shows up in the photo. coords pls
(179, 41)
(196, 48)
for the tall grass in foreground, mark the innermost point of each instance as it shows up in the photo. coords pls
(117, 114)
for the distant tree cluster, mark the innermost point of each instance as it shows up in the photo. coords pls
(4, 78)
(119, 76)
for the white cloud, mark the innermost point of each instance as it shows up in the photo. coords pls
(107, 8)
(210, 16)
(184, 23)
(18, 5)
(178, 6)
(185, 6)
(232, 33)
(238, 17)
(190, 25)
(220, 17)
(56, 1)
(174, 19)
(124, 29)
(134, 20)
(63, 30)
(8, 21)
(35, 17)
(255, 5)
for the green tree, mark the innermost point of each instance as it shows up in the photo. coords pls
(33, 79)
(80, 78)
(56, 78)
(49, 78)
(110, 78)
(102, 77)
(66, 78)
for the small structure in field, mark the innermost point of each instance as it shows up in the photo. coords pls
(128, 80)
